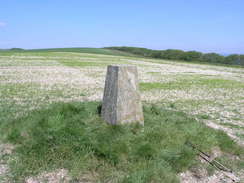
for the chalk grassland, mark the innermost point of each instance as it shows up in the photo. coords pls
(34, 80)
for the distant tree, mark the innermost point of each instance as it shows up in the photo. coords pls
(232, 59)
(16, 49)
(192, 56)
(242, 60)
(173, 54)
(156, 54)
(213, 58)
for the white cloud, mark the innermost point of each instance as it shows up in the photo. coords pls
(2, 24)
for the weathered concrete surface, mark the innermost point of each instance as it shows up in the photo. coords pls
(121, 99)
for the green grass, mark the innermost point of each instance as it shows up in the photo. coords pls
(187, 83)
(72, 63)
(82, 64)
(241, 135)
(232, 126)
(102, 51)
(85, 50)
(73, 136)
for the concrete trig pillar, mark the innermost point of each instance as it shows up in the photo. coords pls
(121, 99)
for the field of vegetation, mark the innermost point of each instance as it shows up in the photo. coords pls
(50, 128)
(187, 56)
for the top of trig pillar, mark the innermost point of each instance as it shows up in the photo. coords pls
(122, 65)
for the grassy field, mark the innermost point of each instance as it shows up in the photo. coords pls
(102, 51)
(69, 136)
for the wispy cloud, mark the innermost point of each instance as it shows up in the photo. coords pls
(2, 24)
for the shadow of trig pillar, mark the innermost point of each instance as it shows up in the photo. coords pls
(121, 98)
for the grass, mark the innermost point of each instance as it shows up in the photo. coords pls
(82, 64)
(102, 51)
(98, 63)
(54, 138)
(85, 50)
(241, 135)
(232, 125)
(187, 83)
(73, 136)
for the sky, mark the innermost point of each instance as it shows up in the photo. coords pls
(202, 25)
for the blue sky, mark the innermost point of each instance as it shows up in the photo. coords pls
(202, 25)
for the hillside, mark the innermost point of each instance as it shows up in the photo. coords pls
(103, 51)
(170, 54)
(187, 56)
(50, 124)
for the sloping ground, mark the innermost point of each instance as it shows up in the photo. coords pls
(30, 80)
(103, 51)
(214, 94)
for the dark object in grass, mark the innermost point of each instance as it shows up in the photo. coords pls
(99, 109)
(213, 162)
(206, 157)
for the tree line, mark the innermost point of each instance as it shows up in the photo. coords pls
(189, 56)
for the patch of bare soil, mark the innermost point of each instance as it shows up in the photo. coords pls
(5, 150)
(57, 176)
(201, 176)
